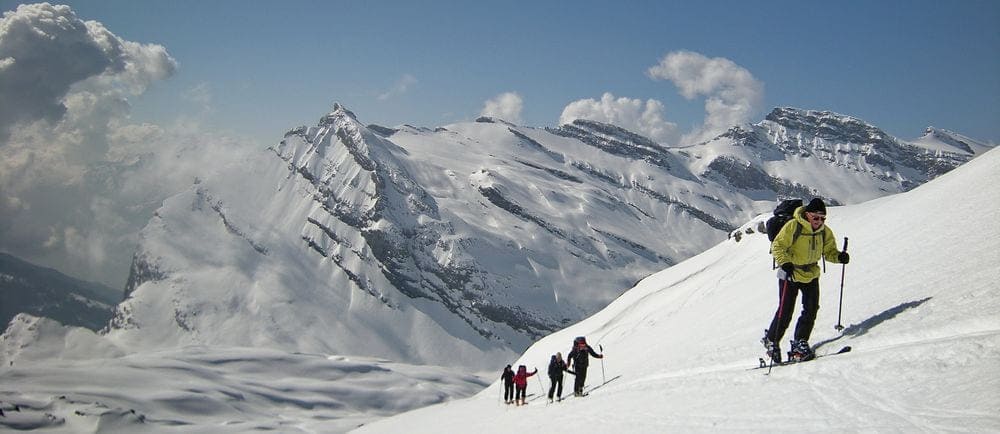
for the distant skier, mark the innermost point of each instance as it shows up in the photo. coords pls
(521, 383)
(579, 358)
(508, 385)
(556, 368)
(800, 244)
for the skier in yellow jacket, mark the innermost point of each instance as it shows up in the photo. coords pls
(798, 247)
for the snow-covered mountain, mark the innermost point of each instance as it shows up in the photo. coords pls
(919, 306)
(40, 291)
(920, 303)
(463, 244)
(802, 153)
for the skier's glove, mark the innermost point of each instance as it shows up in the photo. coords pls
(789, 269)
(843, 258)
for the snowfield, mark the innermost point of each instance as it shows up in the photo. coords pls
(920, 308)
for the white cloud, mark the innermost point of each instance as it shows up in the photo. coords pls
(77, 179)
(732, 93)
(645, 118)
(47, 51)
(506, 106)
(402, 85)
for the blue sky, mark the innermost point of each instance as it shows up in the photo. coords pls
(264, 67)
(109, 106)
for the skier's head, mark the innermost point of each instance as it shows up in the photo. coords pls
(816, 206)
(815, 212)
(580, 342)
(522, 369)
(507, 368)
(558, 356)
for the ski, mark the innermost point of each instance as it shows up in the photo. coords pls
(589, 389)
(763, 364)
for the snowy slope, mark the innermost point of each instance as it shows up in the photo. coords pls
(920, 305)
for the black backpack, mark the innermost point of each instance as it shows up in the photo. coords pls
(782, 214)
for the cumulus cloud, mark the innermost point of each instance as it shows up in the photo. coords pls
(643, 117)
(732, 93)
(506, 106)
(77, 178)
(400, 87)
(45, 50)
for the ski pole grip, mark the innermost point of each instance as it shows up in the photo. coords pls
(845, 244)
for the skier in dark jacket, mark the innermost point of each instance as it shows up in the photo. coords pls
(556, 368)
(508, 384)
(579, 358)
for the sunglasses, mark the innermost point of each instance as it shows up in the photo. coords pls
(818, 218)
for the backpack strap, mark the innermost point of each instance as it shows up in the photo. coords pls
(795, 236)
(798, 230)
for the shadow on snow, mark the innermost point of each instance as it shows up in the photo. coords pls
(866, 325)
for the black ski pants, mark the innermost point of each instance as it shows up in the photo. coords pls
(581, 379)
(788, 291)
(508, 391)
(556, 386)
(521, 392)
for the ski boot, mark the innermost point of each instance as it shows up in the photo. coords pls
(773, 350)
(801, 351)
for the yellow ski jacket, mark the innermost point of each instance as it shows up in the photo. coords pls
(799, 244)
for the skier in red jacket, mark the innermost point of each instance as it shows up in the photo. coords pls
(521, 383)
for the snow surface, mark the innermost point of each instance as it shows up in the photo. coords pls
(201, 389)
(920, 307)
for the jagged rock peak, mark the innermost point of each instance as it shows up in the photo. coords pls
(826, 124)
(337, 112)
(493, 120)
(791, 114)
(608, 131)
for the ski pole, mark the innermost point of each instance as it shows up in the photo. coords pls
(540, 384)
(602, 363)
(840, 309)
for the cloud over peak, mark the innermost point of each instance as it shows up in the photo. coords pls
(506, 106)
(732, 97)
(732, 93)
(644, 117)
